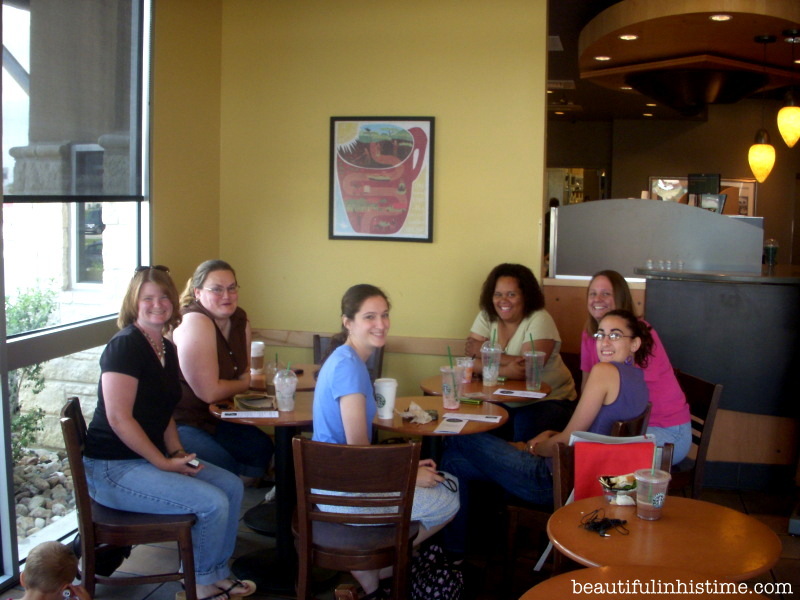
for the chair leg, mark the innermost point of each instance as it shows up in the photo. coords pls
(187, 563)
(346, 591)
(88, 572)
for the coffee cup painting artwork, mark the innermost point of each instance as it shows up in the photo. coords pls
(380, 178)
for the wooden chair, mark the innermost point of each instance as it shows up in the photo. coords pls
(703, 399)
(564, 482)
(535, 516)
(374, 364)
(632, 427)
(99, 525)
(332, 540)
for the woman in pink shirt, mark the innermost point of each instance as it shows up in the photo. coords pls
(670, 421)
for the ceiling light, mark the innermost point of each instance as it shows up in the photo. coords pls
(651, 104)
(602, 58)
(789, 115)
(720, 18)
(559, 112)
(761, 155)
(647, 114)
(626, 88)
(628, 37)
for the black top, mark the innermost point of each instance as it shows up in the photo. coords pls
(157, 394)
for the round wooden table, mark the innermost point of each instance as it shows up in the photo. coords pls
(306, 382)
(432, 441)
(634, 582)
(432, 386)
(275, 570)
(693, 535)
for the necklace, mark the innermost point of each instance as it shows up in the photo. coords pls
(158, 350)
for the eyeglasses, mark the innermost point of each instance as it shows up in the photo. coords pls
(148, 267)
(613, 336)
(218, 290)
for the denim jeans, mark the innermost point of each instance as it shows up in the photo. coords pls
(679, 435)
(241, 449)
(485, 457)
(532, 419)
(214, 495)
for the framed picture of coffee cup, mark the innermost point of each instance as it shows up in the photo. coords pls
(381, 179)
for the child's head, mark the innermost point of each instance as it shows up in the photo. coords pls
(49, 567)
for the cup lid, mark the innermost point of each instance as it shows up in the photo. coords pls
(652, 475)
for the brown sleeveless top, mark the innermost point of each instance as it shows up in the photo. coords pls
(232, 361)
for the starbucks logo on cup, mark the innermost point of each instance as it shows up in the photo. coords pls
(658, 500)
(380, 400)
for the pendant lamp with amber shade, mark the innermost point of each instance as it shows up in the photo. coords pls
(761, 155)
(789, 115)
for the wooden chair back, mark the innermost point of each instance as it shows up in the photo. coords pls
(99, 525)
(384, 476)
(633, 427)
(703, 399)
(374, 364)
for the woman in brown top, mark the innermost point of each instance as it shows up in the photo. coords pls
(213, 343)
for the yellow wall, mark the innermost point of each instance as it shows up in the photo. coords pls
(285, 68)
(185, 133)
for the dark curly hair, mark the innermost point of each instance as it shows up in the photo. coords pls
(532, 296)
(639, 329)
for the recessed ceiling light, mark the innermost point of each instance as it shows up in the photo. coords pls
(626, 88)
(647, 114)
(720, 18)
(650, 104)
(549, 91)
(559, 112)
(602, 58)
(628, 37)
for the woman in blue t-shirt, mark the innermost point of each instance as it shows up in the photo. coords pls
(344, 408)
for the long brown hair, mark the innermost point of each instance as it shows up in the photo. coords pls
(159, 275)
(622, 295)
(352, 301)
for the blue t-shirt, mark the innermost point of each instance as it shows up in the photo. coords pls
(343, 373)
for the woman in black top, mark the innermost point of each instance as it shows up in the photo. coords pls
(133, 457)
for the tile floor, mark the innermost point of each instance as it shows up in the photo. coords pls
(485, 568)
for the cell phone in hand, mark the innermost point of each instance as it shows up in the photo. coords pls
(194, 463)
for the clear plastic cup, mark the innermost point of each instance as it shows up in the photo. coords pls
(285, 386)
(651, 491)
(534, 365)
(467, 363)
(490, 357)
(452, 378)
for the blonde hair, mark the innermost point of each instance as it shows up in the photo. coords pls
(130, 303)
(197, 280)
(49, 567)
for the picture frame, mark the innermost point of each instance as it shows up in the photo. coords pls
(381, 179)
(740, 193)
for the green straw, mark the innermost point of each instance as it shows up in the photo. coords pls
(535, 362)
(289, 366)
(452, 372)
(653, 467)
(494, 336)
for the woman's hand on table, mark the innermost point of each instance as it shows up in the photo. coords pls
(427, 475)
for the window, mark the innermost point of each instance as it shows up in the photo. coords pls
(75, 213)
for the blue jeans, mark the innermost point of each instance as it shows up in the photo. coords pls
(486, 457)
(241, 449)
(680, 435)
(214, 495)
(532, 419)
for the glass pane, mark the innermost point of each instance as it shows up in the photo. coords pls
(42, 482)
(71, 99)
(71, 262)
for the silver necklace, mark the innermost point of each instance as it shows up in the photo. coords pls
(159, 351)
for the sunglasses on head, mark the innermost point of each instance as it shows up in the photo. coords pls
(148, 267)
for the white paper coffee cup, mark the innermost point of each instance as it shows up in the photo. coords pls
(385, 392)
(257, 357)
